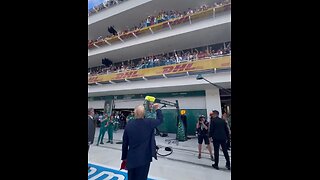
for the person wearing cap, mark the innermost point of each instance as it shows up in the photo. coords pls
(219, 133)
(202, 129)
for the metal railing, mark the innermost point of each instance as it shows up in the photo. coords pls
(166, 24)
(212, 64)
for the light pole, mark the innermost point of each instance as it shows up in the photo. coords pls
(200, 77)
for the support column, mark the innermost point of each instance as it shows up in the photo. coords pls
(213, 101)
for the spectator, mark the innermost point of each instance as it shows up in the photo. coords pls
(160, 60)
(151, 20)
(156, 61)
(202, 131)
(148, 21)
(150, 62)
(195, 55)
(202, 54)
(178, 58)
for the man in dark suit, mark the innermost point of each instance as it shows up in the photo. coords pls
(219, 133)
(91, 127)
(139, 146)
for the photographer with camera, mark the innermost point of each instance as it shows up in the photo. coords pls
(203, 134)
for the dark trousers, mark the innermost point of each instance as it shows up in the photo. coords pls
(139, 173)
(157, 131)
(184, 124)
(228, 144)
(216, 144)
(185, 129)
(88, 152)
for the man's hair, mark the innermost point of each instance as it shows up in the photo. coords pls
(89, 110)
(139, 112)
(216, 112)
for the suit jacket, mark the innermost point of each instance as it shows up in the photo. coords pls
(91, 129)
(138, 146)
(218, 129)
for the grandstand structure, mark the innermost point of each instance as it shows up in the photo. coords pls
(163, 57)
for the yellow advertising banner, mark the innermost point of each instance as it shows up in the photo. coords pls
(208, 12)
(204, 64)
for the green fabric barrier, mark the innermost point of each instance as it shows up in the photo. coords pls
(170, 120)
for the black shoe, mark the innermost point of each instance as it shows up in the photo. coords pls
(108, 141)
(101, 142)
(228, 167)
(111, 142)
(188, 138)
(212, 159)
(215, 166)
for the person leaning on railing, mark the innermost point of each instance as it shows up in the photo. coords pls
(165, 16)
(164, 59)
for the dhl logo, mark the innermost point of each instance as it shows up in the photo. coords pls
(226, 64)
(130, 74)
(93, 79)
(178, 68)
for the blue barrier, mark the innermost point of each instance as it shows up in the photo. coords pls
(97, 172)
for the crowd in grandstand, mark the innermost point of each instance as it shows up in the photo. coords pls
(167, 15)
(162, 16)
(164, 59)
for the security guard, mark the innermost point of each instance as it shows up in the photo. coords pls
(219, 133)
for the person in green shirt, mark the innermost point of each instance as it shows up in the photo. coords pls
(150, 112)
(130, 117)
(110, 127)
(103, 128)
